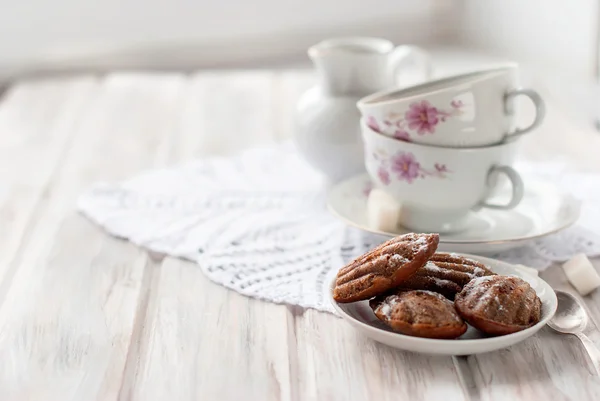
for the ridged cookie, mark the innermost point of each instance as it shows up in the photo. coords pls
(384, 267)
(499, 305)
(446, 273)
(420, 314)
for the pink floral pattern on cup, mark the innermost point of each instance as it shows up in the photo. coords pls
(384, 175)
(421, 118)
(403, 166)
(402, 135)
(372, 123)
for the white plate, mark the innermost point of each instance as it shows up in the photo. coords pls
(360, 315)
(544, 210)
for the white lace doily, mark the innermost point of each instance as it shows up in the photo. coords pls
(257, 223)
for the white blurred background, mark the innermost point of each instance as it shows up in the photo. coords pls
(551, 38)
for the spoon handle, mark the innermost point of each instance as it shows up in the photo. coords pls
(592, 351)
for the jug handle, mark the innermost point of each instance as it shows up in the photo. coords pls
(408, 54)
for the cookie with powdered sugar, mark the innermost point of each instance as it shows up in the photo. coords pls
(384, 267)
(498, 305)
(420, 314)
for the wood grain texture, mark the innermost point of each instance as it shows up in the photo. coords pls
(84, 316)
(69, 309)
(36, 127)
(336, 363)
(213, 343)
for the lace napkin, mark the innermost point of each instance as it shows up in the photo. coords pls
(257, 222)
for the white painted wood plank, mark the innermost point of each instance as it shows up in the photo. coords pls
(68, 314)
(546, 365)
(337, 363)
(200, 340)
(226, 112)
(556, 277)
(36, 121)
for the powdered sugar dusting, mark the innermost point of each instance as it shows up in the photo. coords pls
(478, 271)
(421, 240)
(485, 298)
(399, 258)
(501, 307)
(480, 280)
(436, 294)
(431, 267)
(386, 306)
(421, 243)
(442, 283)
(385, 310)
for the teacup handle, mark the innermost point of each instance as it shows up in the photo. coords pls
(516, 184)
(538, 102)
(408, 54)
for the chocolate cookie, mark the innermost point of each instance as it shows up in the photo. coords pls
(384, 267)
(420, 314)
(499, 305)
(446, 273)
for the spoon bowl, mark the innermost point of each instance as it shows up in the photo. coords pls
(570, 316)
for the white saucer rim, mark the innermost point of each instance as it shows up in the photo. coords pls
(479, 341)
(568, 222)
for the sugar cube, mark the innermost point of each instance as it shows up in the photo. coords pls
(581, 274)
(383, 211)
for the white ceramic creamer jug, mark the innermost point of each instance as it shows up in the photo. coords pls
(327, 121)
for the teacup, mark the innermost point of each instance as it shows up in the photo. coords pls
(468, 110)
(438, 187)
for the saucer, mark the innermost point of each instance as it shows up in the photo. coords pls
(360, 315)
(544, 210)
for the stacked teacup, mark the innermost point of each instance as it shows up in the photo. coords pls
(439, 148)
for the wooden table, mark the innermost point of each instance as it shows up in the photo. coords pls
(84, 316)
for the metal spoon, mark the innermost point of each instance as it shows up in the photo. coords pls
(571, 318)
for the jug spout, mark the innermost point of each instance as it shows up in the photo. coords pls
(353, 66)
